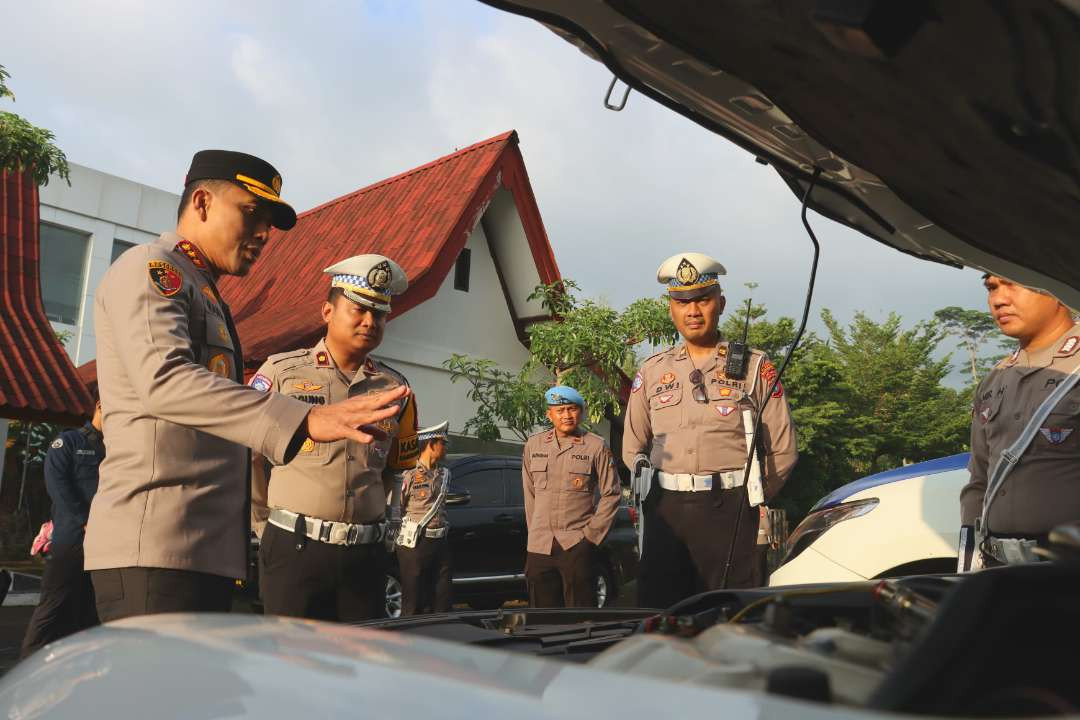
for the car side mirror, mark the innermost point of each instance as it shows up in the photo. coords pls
(458, 497)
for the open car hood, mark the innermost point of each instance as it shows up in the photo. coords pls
(949, 131)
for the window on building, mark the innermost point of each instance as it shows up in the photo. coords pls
(486, 487)
(119, 247)
(63, 264)
(461, 270)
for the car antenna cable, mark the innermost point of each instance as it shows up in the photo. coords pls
(779, 374)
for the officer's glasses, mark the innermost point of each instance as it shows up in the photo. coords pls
(698, 380)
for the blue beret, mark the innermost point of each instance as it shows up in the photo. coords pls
(563, 395)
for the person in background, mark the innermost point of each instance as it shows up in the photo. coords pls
(66, 604)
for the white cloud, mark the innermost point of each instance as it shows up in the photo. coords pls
(341, 94)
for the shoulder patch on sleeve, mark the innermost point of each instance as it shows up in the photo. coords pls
(260, 382)
(57, 444)
(165, 277)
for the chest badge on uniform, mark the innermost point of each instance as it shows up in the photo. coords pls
(220, 365)
(725, 410)
(422, 494)
(666, 378)
(579, 482)
(665, 399)
(165, 276)
(307, 386)
(725, 392)
(57, 444)
(1055, 436)
(308, 446)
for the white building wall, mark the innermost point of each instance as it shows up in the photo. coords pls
(475, 323)
(107, 208)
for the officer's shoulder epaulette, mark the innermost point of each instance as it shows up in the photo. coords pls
(538, 436)
(383, 367)
(656, 357)
(290, 359)
(1008, 361)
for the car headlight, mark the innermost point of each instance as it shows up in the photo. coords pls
(816, 523)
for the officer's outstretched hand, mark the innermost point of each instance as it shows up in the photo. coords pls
(355, 418)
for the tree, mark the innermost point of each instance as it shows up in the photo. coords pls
(973, 328)
(586, 344)
(24, 146)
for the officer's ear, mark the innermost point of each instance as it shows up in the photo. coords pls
(327, 311)
(201, 198)
(721, 302)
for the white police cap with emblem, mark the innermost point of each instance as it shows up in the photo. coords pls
(689, 275)
(435, 431)
(370, 280)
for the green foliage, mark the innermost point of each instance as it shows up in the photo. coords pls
(586, 345)
(24, 146)
(503, 399)
(973, 328)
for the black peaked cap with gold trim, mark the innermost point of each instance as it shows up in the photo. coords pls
(369, 280)
(255, 175)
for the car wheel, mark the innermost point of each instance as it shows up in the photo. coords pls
(605, 587)
(393, 597)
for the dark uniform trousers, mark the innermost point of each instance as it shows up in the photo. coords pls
(425, 576)
(321, 581)
(124, 592)
(562, 579)
(687, 537)
(67, 600)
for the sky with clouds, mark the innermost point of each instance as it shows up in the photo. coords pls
(339, 94)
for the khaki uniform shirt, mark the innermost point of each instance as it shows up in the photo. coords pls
(420, 488)
(343, 480)
(1043, 490)
(681, 435)
(560, 477)
(178, 421)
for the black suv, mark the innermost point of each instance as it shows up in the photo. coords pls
(486, 510)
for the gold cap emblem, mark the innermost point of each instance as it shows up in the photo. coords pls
(378, 277)
(687, 274)
(276, 184)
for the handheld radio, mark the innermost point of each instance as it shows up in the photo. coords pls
(738, 353)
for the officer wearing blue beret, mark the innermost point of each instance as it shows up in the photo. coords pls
(561, 471)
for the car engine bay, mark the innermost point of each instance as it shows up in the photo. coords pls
(988, 644)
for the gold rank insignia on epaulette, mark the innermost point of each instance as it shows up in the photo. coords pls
(322, 359)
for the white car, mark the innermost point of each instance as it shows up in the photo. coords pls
(899, 522)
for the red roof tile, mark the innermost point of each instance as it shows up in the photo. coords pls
(37, 380)
(421, 218)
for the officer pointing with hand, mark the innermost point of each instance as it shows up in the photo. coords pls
(168, 527)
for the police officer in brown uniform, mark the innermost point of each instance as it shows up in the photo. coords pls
(563, 470)
(423, 544)
(168, 527)
(687, 420)
(322, 553)
(1040, 490)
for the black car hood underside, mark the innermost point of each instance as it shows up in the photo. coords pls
(948, 130)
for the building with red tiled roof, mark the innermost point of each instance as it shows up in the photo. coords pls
(38, 382)
(467, 231)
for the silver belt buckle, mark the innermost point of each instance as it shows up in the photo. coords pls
(322, 534)
(352, 535)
